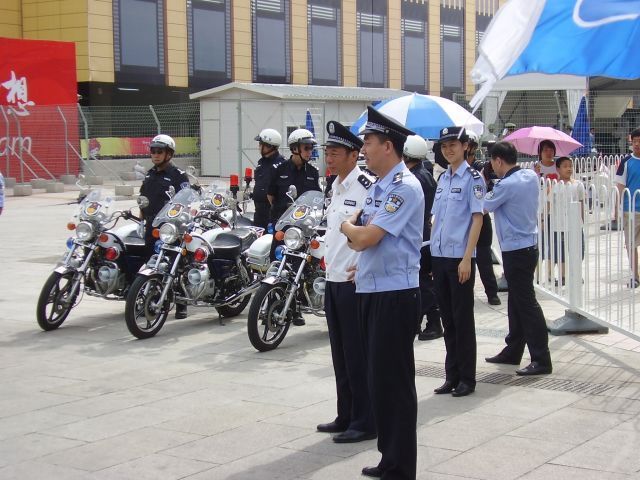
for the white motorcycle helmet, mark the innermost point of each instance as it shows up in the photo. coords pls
(301, 135)
(473, 137)
(270, 137)
(163, 141)
(415, 148)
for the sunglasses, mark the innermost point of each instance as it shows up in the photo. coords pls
(156, 151)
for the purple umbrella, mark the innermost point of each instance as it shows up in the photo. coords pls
(526, 140)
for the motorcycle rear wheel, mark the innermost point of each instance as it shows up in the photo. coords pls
(265, 333)
(142, 320)
(54, 305)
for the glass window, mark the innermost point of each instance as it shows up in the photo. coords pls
(209, 26)
(482, 22)
(325, 46)
(271, 41)
(138, 41)
(414, 46)
(452, 51)
(371, 24)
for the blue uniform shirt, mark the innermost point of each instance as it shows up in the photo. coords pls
(396, 204)
(458, 197)
(514, 199)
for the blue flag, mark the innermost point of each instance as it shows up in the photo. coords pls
(579, 37)
(582, 130)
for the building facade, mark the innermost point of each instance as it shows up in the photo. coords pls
(158, 51)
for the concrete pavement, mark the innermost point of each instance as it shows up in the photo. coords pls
(88, 401)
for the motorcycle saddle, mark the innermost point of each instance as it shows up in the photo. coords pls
(230, 244)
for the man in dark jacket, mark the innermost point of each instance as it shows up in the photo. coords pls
(414, 155)
(269, 141)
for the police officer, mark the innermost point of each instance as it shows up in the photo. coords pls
(388, 233)
(457, 211)
(484, 259)
(269, 140)
(155, 187)
(295, 171)
(514, 201)
(414, 155)
(355, 417)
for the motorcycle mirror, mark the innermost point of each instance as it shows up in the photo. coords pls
(171, 192)
(143, 202)
(82, 182)
(191, 170)
(292, 193)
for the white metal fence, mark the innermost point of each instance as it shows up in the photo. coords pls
(585, 262)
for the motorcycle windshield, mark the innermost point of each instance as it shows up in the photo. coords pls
(178, 209)
(305, 213)
(215, 198)
(96, 207)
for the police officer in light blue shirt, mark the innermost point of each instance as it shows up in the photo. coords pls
(457, 210)
(514, 201)
(388, 233)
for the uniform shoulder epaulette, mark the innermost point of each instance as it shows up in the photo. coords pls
(313, 166)
(476, 174)
(397, 178)
(365, 181)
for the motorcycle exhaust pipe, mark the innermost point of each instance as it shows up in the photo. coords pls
(242, 293)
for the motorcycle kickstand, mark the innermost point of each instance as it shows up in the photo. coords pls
(222, 324)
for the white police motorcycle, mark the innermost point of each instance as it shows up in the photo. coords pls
(296, 280)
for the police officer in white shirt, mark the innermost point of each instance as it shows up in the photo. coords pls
(354, 421)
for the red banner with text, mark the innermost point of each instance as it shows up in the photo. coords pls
(38, 111)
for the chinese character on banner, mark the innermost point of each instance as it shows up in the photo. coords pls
(18, 96)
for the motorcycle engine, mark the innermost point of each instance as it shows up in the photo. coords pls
(107, 278)
(315, 284)
(197, 282)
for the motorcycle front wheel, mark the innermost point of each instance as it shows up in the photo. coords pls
(54, 303)
(265, 331)
(144, 319)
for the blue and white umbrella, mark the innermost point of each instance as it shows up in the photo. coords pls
(426, 115)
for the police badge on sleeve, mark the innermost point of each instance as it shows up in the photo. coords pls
(393, 203)
(478, 191)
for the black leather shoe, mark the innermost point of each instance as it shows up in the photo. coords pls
(462, 390)
(298, 321)
(375, 472)
(494, 300)
(353, 436)
(446, 387)
(181, 311)
(429, 334)
(331, 427)
(534, 368)
(500, 358)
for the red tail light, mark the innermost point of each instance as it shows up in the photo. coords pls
(103, 238)
(200, 255)
(111, 254)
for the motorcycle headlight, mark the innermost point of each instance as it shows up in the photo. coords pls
(168, 233)
(293, 238)
(84, 231)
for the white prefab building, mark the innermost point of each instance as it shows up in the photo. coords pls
(233, 114)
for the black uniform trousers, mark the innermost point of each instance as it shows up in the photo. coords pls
(389, 326)
(262, 216)
(455, 300)
(483, 257)
(347, 353)
(427, 293)
(526, 319)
